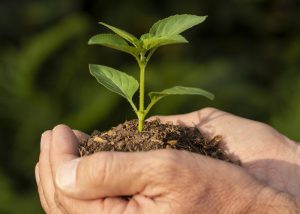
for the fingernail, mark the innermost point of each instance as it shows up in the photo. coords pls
(66, 175)
(44, 141)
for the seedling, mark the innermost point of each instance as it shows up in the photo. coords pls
(164, 32)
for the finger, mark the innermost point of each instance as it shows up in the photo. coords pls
(45, 174)
(211, 122)
(179, 119)
(40, 189)
(81, 136)
(63, 148)
(109, 174)
(237, 133)
(107, 205)
(196, 118)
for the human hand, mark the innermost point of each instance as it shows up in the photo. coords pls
(163, 181)
(265, 153)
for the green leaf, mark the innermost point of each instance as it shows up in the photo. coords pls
(175, 24)
(154, 42)
(113, 41)
(180, 90)
(146, 36)
(176, 90)
(125, 35)
(116, 81)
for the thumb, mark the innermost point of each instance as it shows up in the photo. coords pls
(63, 147)
(107, 174)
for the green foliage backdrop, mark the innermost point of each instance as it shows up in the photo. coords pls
(247, 53)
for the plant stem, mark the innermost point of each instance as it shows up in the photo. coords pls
(141, 124)
(142, 88)
(142, 64)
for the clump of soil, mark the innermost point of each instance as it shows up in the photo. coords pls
(155, 135)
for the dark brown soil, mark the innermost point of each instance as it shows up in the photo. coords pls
(155, 135)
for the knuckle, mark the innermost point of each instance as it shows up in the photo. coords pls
(166, 164)
(59, 201)
(100, 167)
(57, 198)
(36, 167)
(268, 131)
(53, 209)
(263, 127)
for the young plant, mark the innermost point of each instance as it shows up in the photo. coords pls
(164, 32)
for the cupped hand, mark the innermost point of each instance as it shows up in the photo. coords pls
(166, 181)
(265, 153)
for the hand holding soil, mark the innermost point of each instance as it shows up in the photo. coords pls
(171, 181)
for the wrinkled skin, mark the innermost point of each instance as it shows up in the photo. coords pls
(170, 181)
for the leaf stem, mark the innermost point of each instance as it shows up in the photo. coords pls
(150, 54)
(133, 106)
(151, 104)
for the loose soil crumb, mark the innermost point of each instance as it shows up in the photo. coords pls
(156, 135)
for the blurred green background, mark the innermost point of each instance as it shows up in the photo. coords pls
(247, 53)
